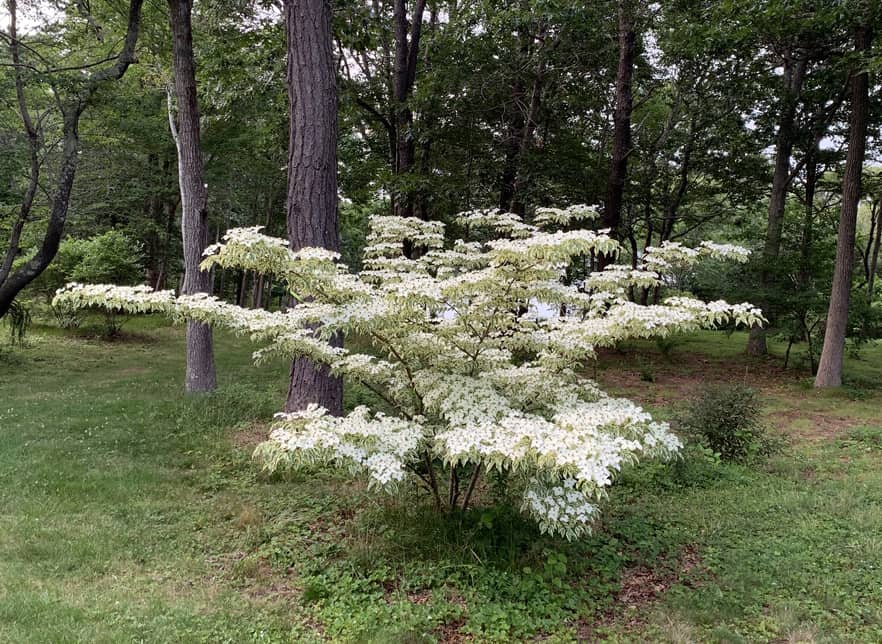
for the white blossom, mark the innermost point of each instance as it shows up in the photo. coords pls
(474, 351)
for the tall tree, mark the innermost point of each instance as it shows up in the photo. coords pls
(612, 207)
(84, 84)
(407, 35)
(794, 65)
(201, 374)
(830, 365)
(312, 169)
(521, 125)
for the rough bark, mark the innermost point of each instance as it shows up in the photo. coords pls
(312, 168)
(794, 74)
(830, 365)
(621, 147)
(12, 282)
(201, 376)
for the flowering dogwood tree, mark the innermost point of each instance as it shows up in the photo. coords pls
(474, 350)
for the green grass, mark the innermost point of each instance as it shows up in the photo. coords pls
(131, 512)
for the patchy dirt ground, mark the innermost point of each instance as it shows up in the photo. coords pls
(641, 586)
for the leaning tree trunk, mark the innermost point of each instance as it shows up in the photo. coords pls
(201, 375)
(830, 364)
(615, 187)
(312, 168)
(794, 73)
(13, 281)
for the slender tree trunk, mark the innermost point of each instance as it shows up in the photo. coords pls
(794, 73)
(874, 256)
(618, 169)
(404, 75)
(808, 223)
(514, 130)
(520, 140)
(830, 364)
(257, 292)
(312, 169)
(201, 375)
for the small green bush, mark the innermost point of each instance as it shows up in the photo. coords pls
(727, 419)
(111, 257)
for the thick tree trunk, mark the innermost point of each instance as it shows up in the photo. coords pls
(830, 364)
(794, 73)
(12, 282)
(201, 375)
(312, 169)
(618, 169)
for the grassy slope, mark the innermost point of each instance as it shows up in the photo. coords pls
(129, 512)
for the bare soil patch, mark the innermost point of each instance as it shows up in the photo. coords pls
(642, 586)
(661, 380)
(812, 426)
(249, 437)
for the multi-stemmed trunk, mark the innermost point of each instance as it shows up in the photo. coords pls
(312, 169)
(830, 365)
(201, 375)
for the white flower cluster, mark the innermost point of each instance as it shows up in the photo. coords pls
(616, 276)
(474, 350)
(380, 445)
(547, 217)
(559, 509)
(131, 299)
(674, 255)
(495, 221)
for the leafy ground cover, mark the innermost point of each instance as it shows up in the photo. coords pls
(130, 512)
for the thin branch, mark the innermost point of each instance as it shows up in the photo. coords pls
(471, 489)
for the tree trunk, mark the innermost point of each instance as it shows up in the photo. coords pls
(830, 364)
(312, 169)
(794, 73)
(201, 375)
(404, 76)
(513, 133)
(12, 282)
(521, 132)
(808, 223)
(874, 255)
(618, 169)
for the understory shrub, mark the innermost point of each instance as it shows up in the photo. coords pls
(474, 353)
(19, 320)
(108, 257)
(727, 418)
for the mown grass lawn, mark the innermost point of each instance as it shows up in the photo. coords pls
(130, 512)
